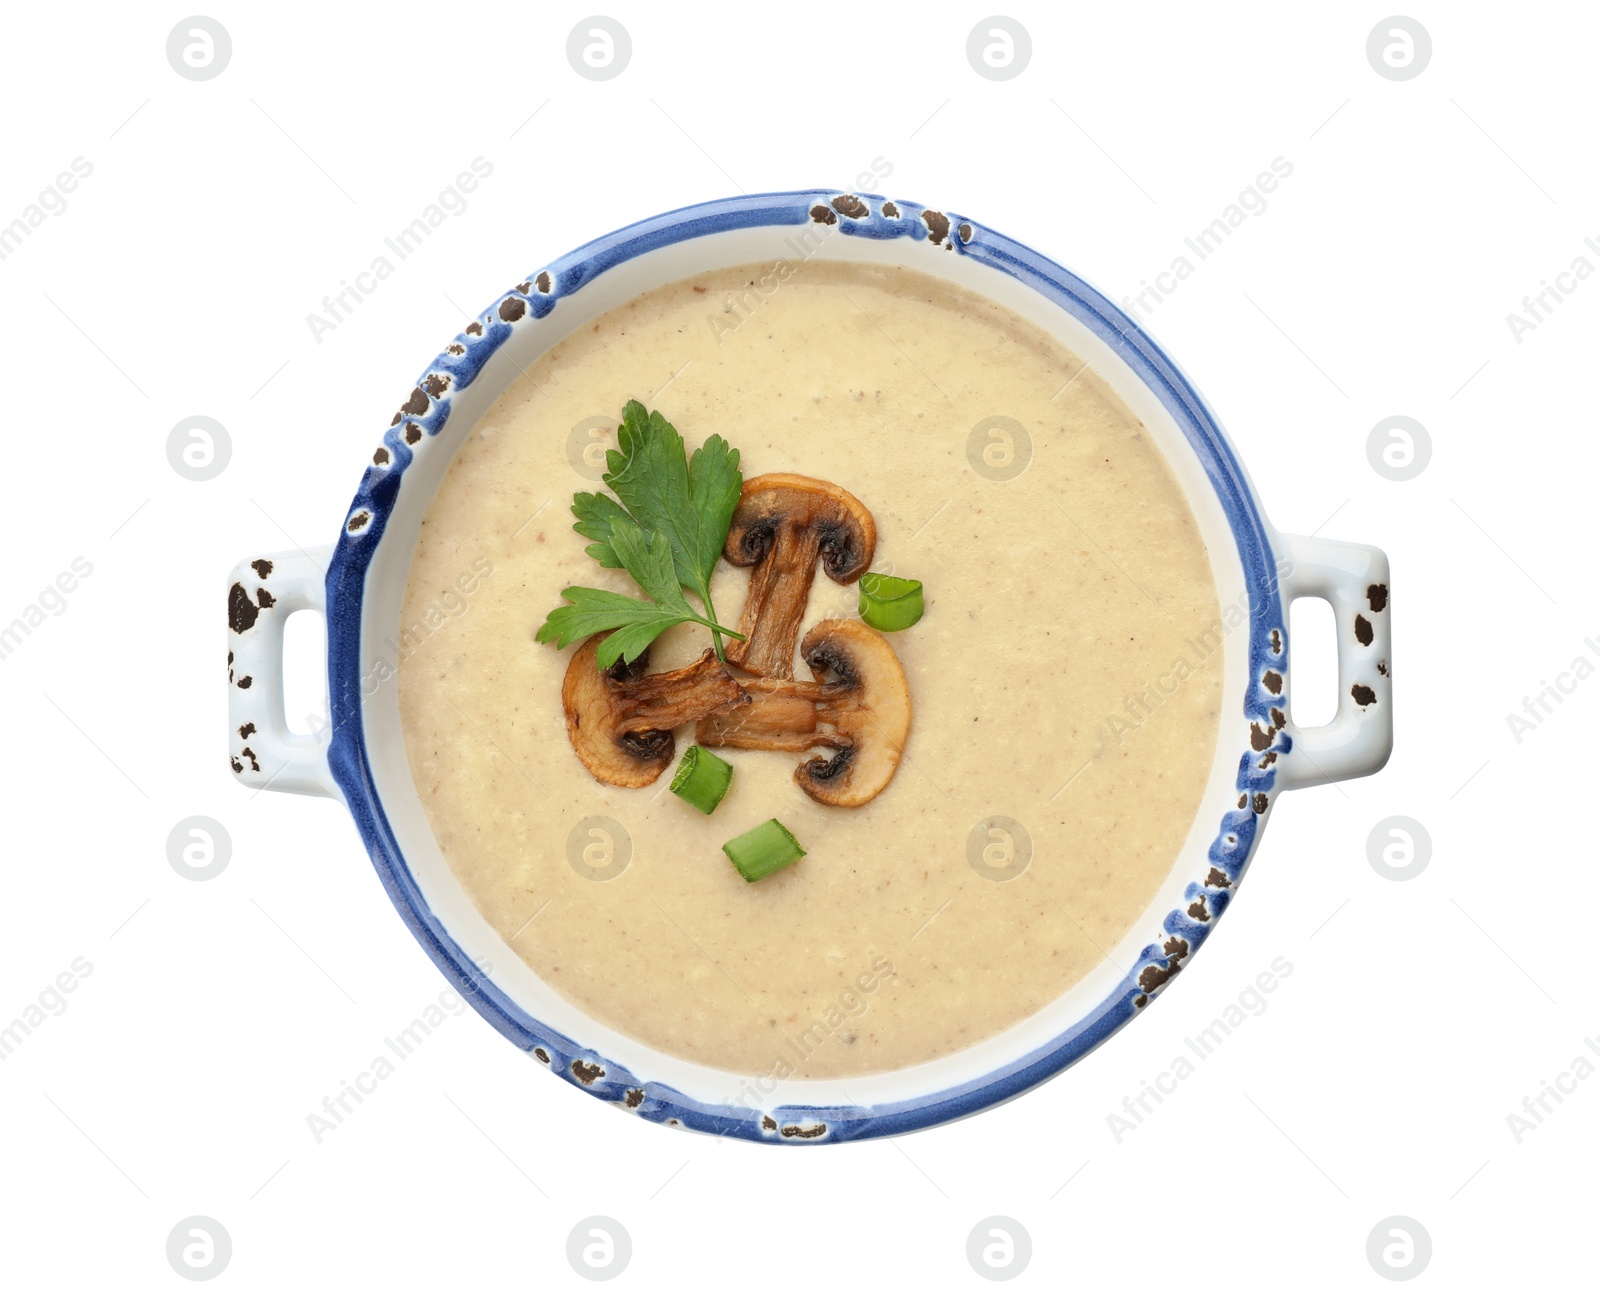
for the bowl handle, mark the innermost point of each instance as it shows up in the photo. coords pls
(262, 592)
(1354, 579)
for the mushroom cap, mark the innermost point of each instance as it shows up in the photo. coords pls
(783, 525)
(620, 719)
(868, 703)
(844, 525)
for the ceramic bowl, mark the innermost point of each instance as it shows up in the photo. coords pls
(358, 585)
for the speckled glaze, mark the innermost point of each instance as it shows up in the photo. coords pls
(1263, 752)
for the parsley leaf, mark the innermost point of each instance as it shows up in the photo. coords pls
(664, 498)
(649, 562)
(689, 500)
(596, 513)
(634, 623)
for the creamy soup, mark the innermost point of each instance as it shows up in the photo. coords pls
(1065, 679)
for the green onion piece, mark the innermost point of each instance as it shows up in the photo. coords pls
(702, 779)
(890, 603)
(767, 848)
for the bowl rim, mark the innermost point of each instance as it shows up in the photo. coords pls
(864, 216)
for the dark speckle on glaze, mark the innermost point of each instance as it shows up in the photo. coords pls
(242, 610)
(1153, 976)
(794, 1130)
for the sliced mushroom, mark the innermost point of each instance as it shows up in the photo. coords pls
(783, 524)
(781, 715)
(858, 706)
(620, 720)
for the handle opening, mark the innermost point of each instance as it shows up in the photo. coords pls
(1315, 700)
(305, 672)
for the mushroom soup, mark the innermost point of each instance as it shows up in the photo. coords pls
(987, 799)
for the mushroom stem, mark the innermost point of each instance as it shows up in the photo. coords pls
(620, 720)
(857, 706)
(663, 701)
(783, 526)
(780, 586)
(781, 715)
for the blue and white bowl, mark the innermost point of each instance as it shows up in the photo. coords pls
(360, 757)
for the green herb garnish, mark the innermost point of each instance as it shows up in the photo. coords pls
(665, 526)
(890, 603)
(689, 500)
(758, 853)
(633, 623)
(702, 779)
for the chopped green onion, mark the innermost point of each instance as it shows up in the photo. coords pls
(702, 779)
(767, 848)
(890, 603)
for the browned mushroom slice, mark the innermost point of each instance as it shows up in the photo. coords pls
(780, 715)
(858, 706)
(783, 524)
(620, 720)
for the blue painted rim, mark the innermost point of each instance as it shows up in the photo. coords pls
(424, 415)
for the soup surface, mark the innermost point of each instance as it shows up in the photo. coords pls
(1065, 679)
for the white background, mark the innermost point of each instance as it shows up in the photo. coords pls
(178, 282)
